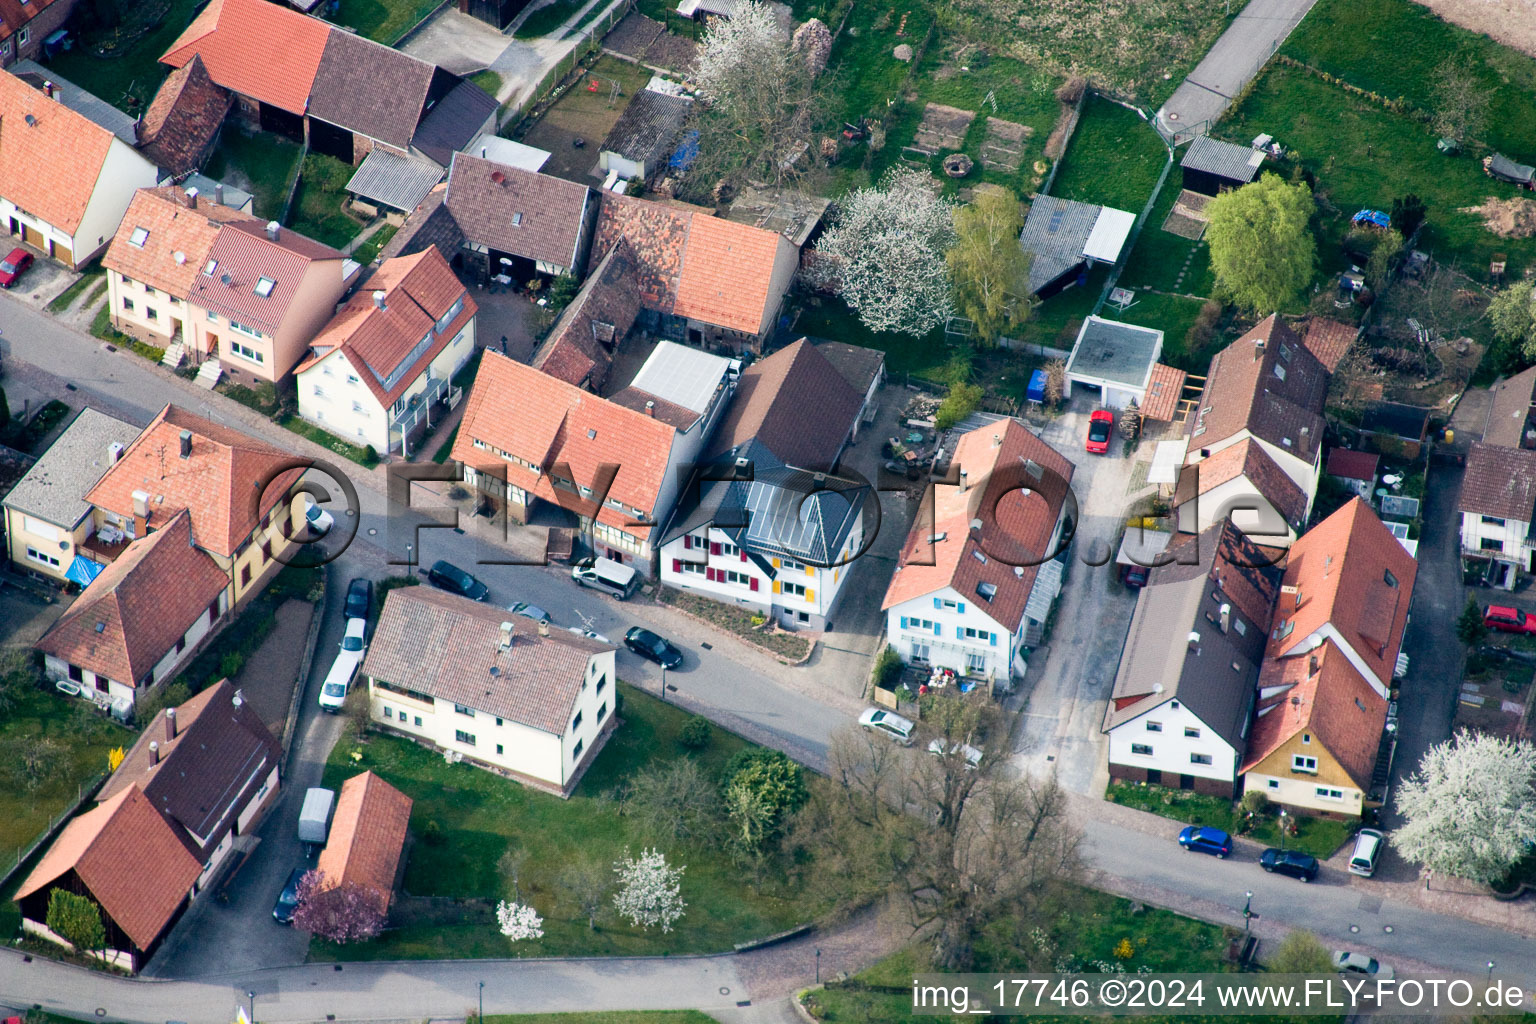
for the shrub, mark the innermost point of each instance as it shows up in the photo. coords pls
(961, 401)
(1255, 802)
(432, 833)
(695, 733)
(887, 667)
(1204, 327)
(370, 453)
(231, 664)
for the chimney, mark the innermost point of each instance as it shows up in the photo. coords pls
(218, 192)
(378, 299)
(1312, 665)
(1226, 616)
(141, 513)
(1258, 349)
(650, 408)
(274, 230)
(191, 194)
(997, 440)
(154, 753)
(506, 637)
(1294, 592)
(186, 444)
(114, 453)
(1194, 642)
(48, 90)
(962, 481)
(170, 724)
(482, 152)
(543, 629)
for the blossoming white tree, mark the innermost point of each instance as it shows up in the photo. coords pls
(519, 921)
(886, 253)
(1471, 807)
(650, 892)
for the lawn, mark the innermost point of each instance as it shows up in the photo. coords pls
(1174, 315)
(1160, 256)
(925, 356)
(1393, 47)
(488, 80)
(1114, 158)
(369, 250)
(66, 298)
(261, 164)
(382, 20)
(1320, 837)
(363, 455)
(477, 816)
(586, 114)
(546, 19)
(446, 448)
(1364, 155)
(129, 81)
(317, 204)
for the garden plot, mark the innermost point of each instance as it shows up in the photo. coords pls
(573, 128)
(942, 130)
(1002, 148)
(1187, 219)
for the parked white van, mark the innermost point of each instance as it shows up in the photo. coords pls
(333, 692)
(1368, 844)
(605, 574)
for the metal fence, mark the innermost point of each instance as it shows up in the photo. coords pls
(85, 792)
(553, 84)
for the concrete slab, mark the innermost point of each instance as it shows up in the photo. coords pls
(459, 43)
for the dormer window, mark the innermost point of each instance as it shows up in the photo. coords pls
(264, 287)
(986, 591)
(139, 237)
(210, 267)
(517, 220)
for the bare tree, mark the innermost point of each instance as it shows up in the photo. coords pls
(1461, 101)
(674, 800)
(587, 883)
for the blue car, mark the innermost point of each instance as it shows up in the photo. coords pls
(1207, 840)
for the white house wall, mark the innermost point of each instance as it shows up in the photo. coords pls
(822, 585)
(123, 173)
(1509, 533)
(1171, 748)
(945, 648)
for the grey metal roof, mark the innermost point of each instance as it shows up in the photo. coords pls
(395, 180)
(1113, 351)
(87, 104)
(1054, 234)
(1224, 159)
(682, 376)
(54, 489)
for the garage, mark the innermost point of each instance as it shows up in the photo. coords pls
(1114, 361)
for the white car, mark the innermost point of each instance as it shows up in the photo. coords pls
(888, 722)
(318, 519)
(971, 754)
(589, 634)
(1346, 962)
(333, 692)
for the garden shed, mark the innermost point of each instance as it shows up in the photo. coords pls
(1115, 360)
(1211, 166)
(1064, 237)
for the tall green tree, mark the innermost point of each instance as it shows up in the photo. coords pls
(1470, 628)
(988, 268)
(1262, 251)
(1513, 314)
(77, 919)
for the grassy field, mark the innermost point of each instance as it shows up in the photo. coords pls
(488, 80)
(382, 20)
(261, 164)
(1114, 158)
(129, 81)
(586, 114)
(1393, 47)
(1364, 155)
(480, 816)
(925, 356)
(1317, 836)
(317, 204)
(369, 250)
(1160, 255)
(1174, 315)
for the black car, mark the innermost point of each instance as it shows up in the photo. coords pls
(456, 581)
(1289, 862)
(653, 648)
(359, 598)
(288, 899)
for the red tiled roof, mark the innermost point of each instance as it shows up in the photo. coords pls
(48, 167)
(546, 421)
(244, 255)
(217, 483)
(173, 229)
(1329, 340)
(183, 118)
(255, 48)
(139, 606)
(1163, 392)
(16, 13)
(1339, 571)
(131, 860)
(367, 837)
(1018, 514)
(1321, 692)
(418, 291)
(1353, 465)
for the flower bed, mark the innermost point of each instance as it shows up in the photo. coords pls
(744, 623)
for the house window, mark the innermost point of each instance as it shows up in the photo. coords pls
(42, 558)
(1274, 783)
(975, 634)
(237, 326)
(264, 286)
(792, 565)
(1492, 521)
(76, 674)
(602, 712)
(926, 625)
(1325, 793)
(1284, 629)
(24, 37)
(1388, 578)
(246, 352)
(1144, 749)
(1489, 544)
(181, 644)
(731, 576)
(1154, 727)
(213, 318)
(352, 378)
(499, 749)
(461, 709)
(1238, 625)
(1191, 732)
(798, 590)
(357, 406)
(602, 681)
(498, 721)
(387, 712)
(5, 48)
(128, 304)
(452, 314)
(949, 606)
(245, 575)
(1306, 737)
(1302, 763)
(576, 750)
(576, 722)
(692, 568)
(1199, 758)
(151, 312)
(149, 290)
(418, 721)
(140, 235)
(466, 738)
(975, 662)
(319, 391)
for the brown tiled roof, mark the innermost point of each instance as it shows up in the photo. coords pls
(173, 230)
(858, 365)
(1018, 514)
(1353, 465)
(258, 49)
(1267, 383)
(1247, 459)
(1329, 340)
(184, 117)
(430, 224)
(1321, 692)
(418, 291)
(367, 837)
(16, 13)
(217, 483)
(371, 89)
(696, 265)
(220, 753)
(48, 167)
(536, 216)
(1500, 482)
(243, 255)
(446, 646)
(796, 405)
(131, 860)
(1339, 571)
(1513, 412)
(139, 606)
(1163, 391)
(546, 421)
(580, 346)
(670, 413)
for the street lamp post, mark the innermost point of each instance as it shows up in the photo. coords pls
(1247, 910)
(818, 966)
(250, 995)
(663, 683)
(408, 570)
(481, 1018)
(1490, 972)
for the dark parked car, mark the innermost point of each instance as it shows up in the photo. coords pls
(653, 648)
(13, 266)
(1207, 840)
(1289, 862)
(359, 598)
(288, 899)
(456, 581)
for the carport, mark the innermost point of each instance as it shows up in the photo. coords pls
(1115, 360)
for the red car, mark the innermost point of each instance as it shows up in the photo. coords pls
(1508, 620)
(14, 266)
(1101, 426)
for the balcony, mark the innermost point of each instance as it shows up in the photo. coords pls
(96, 549)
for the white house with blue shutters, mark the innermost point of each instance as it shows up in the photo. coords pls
(945, 630)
